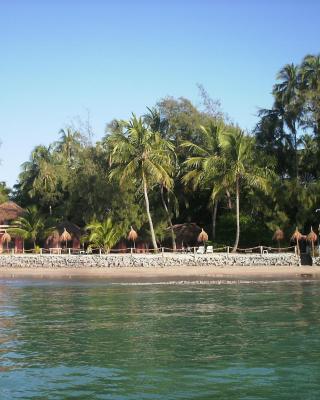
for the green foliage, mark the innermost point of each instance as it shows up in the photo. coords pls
(103, 235)
(31, 226)
(179, 163)
(4, 192)
(141, 156)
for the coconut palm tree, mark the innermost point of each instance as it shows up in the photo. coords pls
(288, 93)
(205, 166)
(156, 122)
(103, 235)
(139, 155)
(310, 72)
(40, 176)
(69, 143)
(31, 169)
(159, 124)
(31, 226)
(241, 167)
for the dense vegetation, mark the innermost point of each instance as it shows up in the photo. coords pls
(179, 163)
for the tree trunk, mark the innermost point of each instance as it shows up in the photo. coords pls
(174, 245)
(145, 191)
(296, 152)
(236, 243)
(229, 199)
(214, 218)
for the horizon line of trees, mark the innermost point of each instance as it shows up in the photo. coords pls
(178, 163)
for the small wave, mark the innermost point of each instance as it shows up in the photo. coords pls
(212, 282)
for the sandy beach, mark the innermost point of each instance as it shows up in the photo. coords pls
(165, 274)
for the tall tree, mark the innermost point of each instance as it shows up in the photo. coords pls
(241, 167)
(287, 93)
(205, 165)
(140, 155)
(160, 124)
(4, 192)
(69, 144)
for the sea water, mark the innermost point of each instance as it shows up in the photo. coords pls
(95, 340)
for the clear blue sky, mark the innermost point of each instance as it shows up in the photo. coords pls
(61, 58)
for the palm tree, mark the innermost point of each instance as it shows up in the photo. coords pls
(161, 125)
(31, 226)
(69, 144)
(241, 166)
(139, 155)
(205, 165)
(310, 72)
(31, 169)
(41, 175)
(287, 92)
(156, 122)
(103, 235)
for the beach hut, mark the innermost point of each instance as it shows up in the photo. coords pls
(186, 234)
(64, 231)
(10, 211)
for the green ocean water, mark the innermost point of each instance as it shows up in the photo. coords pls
(93, 340)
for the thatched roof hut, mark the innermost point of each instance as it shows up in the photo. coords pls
(55, 237)
(186, 234)
(9, 211)
(70, 227)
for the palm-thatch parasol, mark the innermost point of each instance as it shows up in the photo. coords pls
(312, 237)
(132, 235)
(203, 236)
(297, 236)
(278, 236)
(54, 236)
(6, 238)
(65, 236)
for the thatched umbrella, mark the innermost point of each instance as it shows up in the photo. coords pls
(278, 236)
(297, 236)
(132, 235)
(65, 236)
(203, 236)
(6, 238)
(312, 237)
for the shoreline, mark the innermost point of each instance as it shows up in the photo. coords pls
(164, 274)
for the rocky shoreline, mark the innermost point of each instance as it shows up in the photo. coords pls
(149, 260)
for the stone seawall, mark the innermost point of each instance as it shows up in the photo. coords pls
(316, 261)
(146, 260)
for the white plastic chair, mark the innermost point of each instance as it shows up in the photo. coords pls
(200, 250)
(209, 250)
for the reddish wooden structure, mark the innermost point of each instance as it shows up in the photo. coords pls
(10, 211)
(54, 240)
